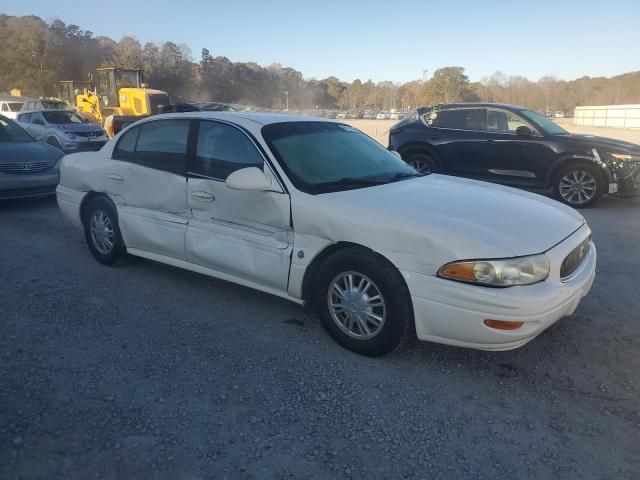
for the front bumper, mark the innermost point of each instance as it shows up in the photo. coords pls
(29, 184)
(76, 146)
(453, 313)
(627, 175)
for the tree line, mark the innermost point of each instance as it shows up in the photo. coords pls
(36, 55)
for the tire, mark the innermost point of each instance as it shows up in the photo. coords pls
(102, 211)
(422, 162)
(579, 185)
(397, 328)
(53, 141)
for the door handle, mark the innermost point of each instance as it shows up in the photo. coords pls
(112, 177)
(202, 196)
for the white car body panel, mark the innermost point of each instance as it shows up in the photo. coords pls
(267, 240)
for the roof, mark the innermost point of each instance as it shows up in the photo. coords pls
(260, 118)
(479, 104)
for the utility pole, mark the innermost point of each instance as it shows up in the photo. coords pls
(286, 94)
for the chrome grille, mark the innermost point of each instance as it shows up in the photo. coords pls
(25, 167)
(87, 134)
(573, 261)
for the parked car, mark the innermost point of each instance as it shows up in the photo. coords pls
(369, 114)
(200, 107)
(382, 116)
(63, 129)
(559, 114)
(341, 115)
(518, 147)
(396, 115)
(10, 106)
(45, 104)
(27, 168)
(315, 211)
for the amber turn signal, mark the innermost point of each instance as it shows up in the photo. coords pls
(503, 324)
(459, 271)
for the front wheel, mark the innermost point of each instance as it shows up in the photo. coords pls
(422, 162)
(364, 303)
(579, 185)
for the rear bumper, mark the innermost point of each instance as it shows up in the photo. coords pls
(69, 202)
(29, 185)
(453, 313)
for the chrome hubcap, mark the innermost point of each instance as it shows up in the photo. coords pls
(420, 165)
(101, 231)
(578, 186)
(356, 305)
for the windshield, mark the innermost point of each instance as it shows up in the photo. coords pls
(11, 132)
(60, 118)
(324, 156)
(549, 126)
(14, 106)
(54, 104)
(126, 78)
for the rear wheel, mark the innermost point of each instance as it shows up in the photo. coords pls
(579, 185)
(422, 162)
(363, 303)
(102, 232)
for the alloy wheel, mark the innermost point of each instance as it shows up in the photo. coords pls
(356, 305)
(420, 165)
(578, 187)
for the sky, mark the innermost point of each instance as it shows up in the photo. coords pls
(378, 40)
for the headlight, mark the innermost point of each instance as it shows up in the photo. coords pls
(625, 157)
(499, 273)
(70, 136)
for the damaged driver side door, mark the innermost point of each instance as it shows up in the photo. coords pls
(240, 233)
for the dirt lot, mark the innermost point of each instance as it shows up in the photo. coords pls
(379, 129)
(149, 372)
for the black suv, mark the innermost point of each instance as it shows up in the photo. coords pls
(518, 147)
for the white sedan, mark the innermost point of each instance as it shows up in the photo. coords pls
(315, 211)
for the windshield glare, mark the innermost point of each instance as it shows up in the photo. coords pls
(54, 104)
(10, 132)
(547, 125)
(316, 154)
(59, 118)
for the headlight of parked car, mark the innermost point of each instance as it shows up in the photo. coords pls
(498, 273)
(70, 136)
(625, 157)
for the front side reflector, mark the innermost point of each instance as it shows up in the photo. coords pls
(503, 324)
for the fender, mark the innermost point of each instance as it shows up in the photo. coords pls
(592, 157)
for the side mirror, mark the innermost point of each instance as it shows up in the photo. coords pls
(524, 131)
(37, 121)
(250, 178)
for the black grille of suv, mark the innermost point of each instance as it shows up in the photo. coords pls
(573, 261)
(23, 167)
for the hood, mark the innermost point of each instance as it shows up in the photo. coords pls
(18, 152)
(604, 143)
(507, 221)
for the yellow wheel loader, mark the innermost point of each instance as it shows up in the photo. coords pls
(114, 98)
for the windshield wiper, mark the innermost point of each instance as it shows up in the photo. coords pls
(350, 181)
(403, 175)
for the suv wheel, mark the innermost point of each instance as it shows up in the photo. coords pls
(53, 141)
(102, 232)
(364, 303)
(422, 162)
(579, 185)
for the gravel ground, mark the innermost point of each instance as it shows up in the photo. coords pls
(146, 371)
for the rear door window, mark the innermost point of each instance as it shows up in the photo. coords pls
(472, 119)
(163, 145)
(126, 147)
